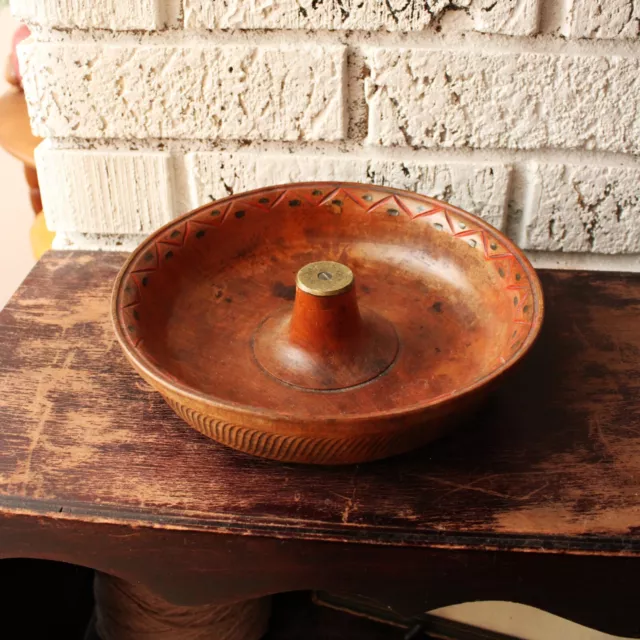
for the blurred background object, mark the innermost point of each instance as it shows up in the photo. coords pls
(21, 33)
(26, 236)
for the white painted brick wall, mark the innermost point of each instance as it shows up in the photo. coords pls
(480, 188)
(241, 92)
(525, 112)
(604, 19)
(509, 17)
(424, 98)
(114, 192)
(582, 208)
(512, 17)
(149, 15)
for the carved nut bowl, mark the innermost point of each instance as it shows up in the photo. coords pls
(325, 323)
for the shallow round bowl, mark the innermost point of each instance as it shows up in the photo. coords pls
(462, 302)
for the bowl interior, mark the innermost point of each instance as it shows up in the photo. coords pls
(462, 299)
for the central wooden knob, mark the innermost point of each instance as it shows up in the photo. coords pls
(325, 342)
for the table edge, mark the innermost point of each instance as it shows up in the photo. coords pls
(290, 529)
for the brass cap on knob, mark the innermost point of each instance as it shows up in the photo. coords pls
(325, 278)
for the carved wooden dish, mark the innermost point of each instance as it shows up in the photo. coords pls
(417, 308)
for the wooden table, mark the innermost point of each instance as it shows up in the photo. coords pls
(536, 501)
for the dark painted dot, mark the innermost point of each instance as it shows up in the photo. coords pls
(200, 233)
(240, 214)
(168, 255)
(175, 234)
(230, 69)
(148, 257)
(145, 280)
(337, 203)
(515, 301)
(264, 201)
(526, 308)
(316, 192)
(136, 315)
(494, 246)
(462, 225)
(294, 203)
(215, 213)
(131, 328)
(501, 272)
(438, 349)
(438, 226)
(367, 197)
(228, 300)
(472, 243)
(518, 276)
(437, 307)
(393, 212)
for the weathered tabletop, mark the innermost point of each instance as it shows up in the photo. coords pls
(96, 469)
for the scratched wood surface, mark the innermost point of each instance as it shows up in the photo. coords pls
(551, 461)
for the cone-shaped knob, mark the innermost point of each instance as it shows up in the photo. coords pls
(325, 342)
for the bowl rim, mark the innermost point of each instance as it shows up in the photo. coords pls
(151, 371)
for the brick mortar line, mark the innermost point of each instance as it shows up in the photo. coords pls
(353, 148)
(482, 43)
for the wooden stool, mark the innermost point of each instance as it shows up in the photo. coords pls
(535, 501)
(41, 237)
(16, 138)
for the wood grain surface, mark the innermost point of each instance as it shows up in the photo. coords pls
(552, 461)
(534, 501)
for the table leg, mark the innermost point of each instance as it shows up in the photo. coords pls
(126, 611)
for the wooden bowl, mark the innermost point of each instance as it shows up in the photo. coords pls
(419, 310)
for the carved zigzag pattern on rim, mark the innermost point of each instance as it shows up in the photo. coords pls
(368, 198)
(285, 448)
